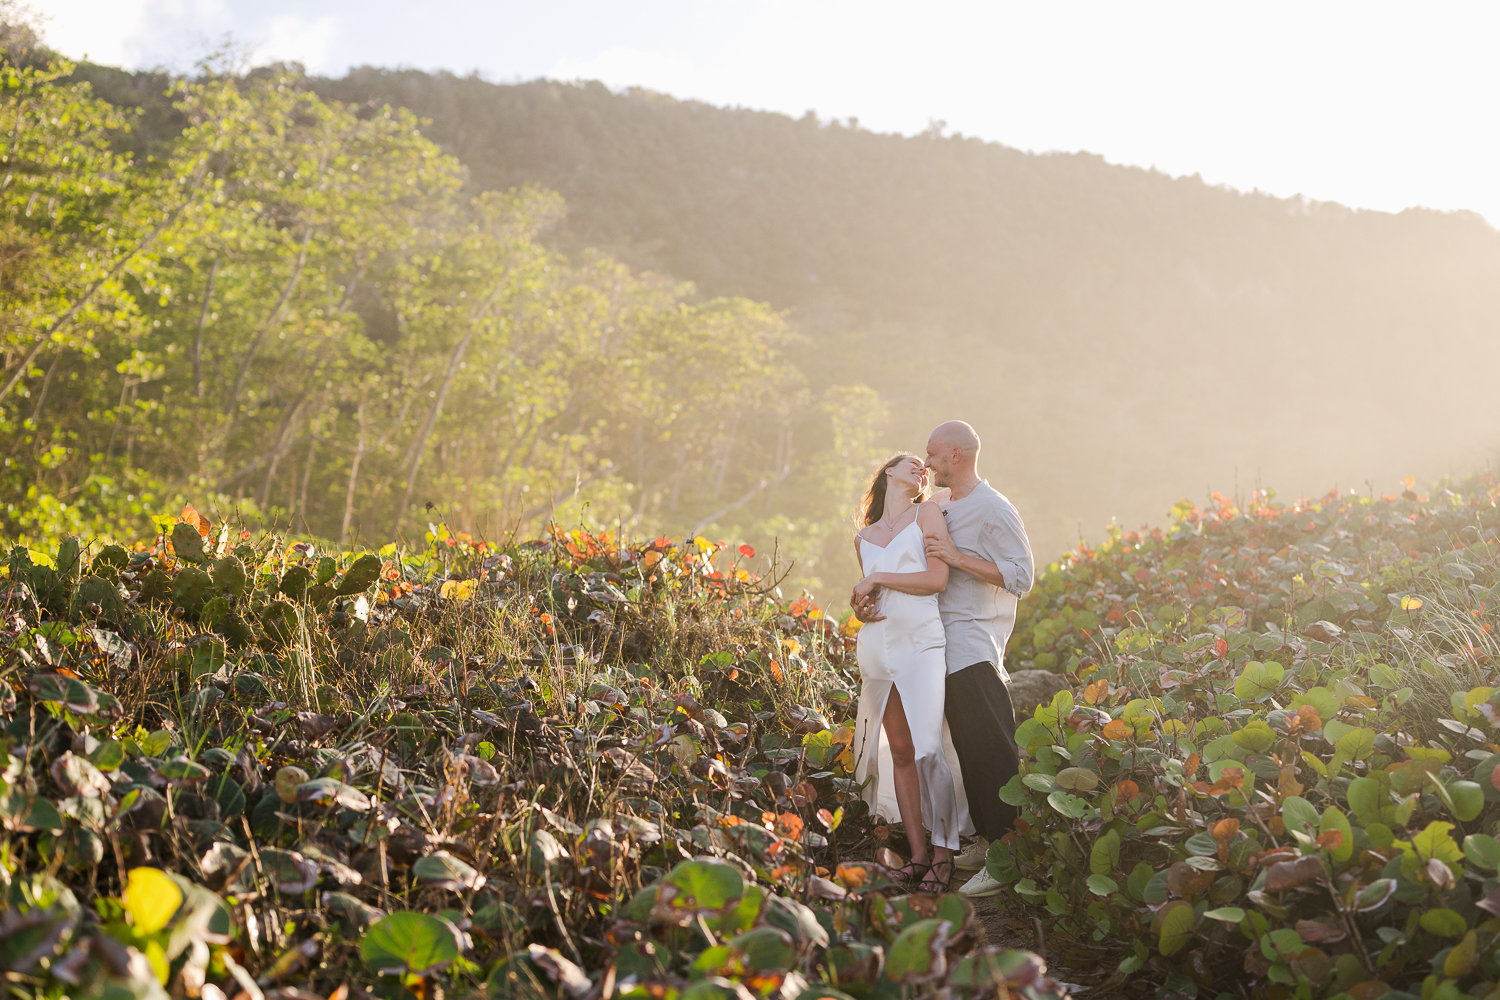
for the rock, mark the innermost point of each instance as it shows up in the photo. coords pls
(1030, 688)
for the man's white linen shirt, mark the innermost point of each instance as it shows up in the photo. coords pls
(977, 616)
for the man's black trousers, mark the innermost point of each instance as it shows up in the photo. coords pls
(982, 723)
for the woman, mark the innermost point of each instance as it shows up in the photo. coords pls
(902, 669)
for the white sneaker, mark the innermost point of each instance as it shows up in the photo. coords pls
(972, 858)
(981, 885)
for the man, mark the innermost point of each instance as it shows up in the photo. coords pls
(991, 569)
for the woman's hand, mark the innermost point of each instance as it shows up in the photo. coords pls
(865, 599)
(868, 610)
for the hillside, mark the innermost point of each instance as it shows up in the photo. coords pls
(1117, 335)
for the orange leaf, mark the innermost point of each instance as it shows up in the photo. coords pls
(1309, 718)
(1225, 829)
(1191, 765)
(1095, 692)
(1115, 729)
(1231, 779)
(196, 519)
(852, 876)
(1331, 840)
(747, 551)
(1127, 790)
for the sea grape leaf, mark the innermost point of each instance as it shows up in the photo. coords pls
(151, 898)
(446, 872)
(1467, 800)
(700, 887)
(1104, 856)
(1258, 680)
(1366, 795)
(1013, 792)
(1069, 805)
(1136, 884)
(1482, 850)
(1299, 814)
(1443, 922)
(409, 942)
(1335, 821)
(918, 953)
(1175, 927)
(1102, 885)
(1079, 779)
(1357, 744)
(763, 949)
(1256, 736)
(1226, 914)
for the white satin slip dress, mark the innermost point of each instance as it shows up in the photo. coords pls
(906, 650)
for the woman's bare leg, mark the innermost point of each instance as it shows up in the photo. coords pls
(904, 775)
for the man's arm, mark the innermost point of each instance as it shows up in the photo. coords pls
(1003, 538)
(943, 548)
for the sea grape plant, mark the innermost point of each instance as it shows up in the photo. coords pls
(1276, 774)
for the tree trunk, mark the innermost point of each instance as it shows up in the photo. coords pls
(281, 448)
(301, 504)
(233, 405)
(208, 294)
(437, 406)
(359, 453)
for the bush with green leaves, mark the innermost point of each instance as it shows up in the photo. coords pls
(565, 768)
(1276, 772)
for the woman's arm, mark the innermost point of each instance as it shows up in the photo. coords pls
(864, 602)
(932, 580)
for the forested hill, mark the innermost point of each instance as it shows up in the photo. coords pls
(1117, 335)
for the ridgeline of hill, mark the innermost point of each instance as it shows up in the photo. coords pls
(1117, 335)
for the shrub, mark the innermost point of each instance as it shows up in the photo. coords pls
(1275, 771)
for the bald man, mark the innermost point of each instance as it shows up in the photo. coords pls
(991, 569)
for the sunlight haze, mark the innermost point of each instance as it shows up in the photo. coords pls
(1363, 104)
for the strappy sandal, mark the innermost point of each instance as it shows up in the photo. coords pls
(911, 874)
(931, 882)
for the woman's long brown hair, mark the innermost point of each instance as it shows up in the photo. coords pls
(874, 499)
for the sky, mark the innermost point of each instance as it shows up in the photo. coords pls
(1372, 104)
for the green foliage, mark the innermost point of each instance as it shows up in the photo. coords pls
(1313, 779)
(292, 309)
(450, 756)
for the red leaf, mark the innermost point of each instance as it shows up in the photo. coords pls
(1293, 874)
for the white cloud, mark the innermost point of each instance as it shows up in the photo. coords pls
(101, 30)
(294, 38)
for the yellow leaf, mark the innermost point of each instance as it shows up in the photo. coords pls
(150, 897)
(1410, 603)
